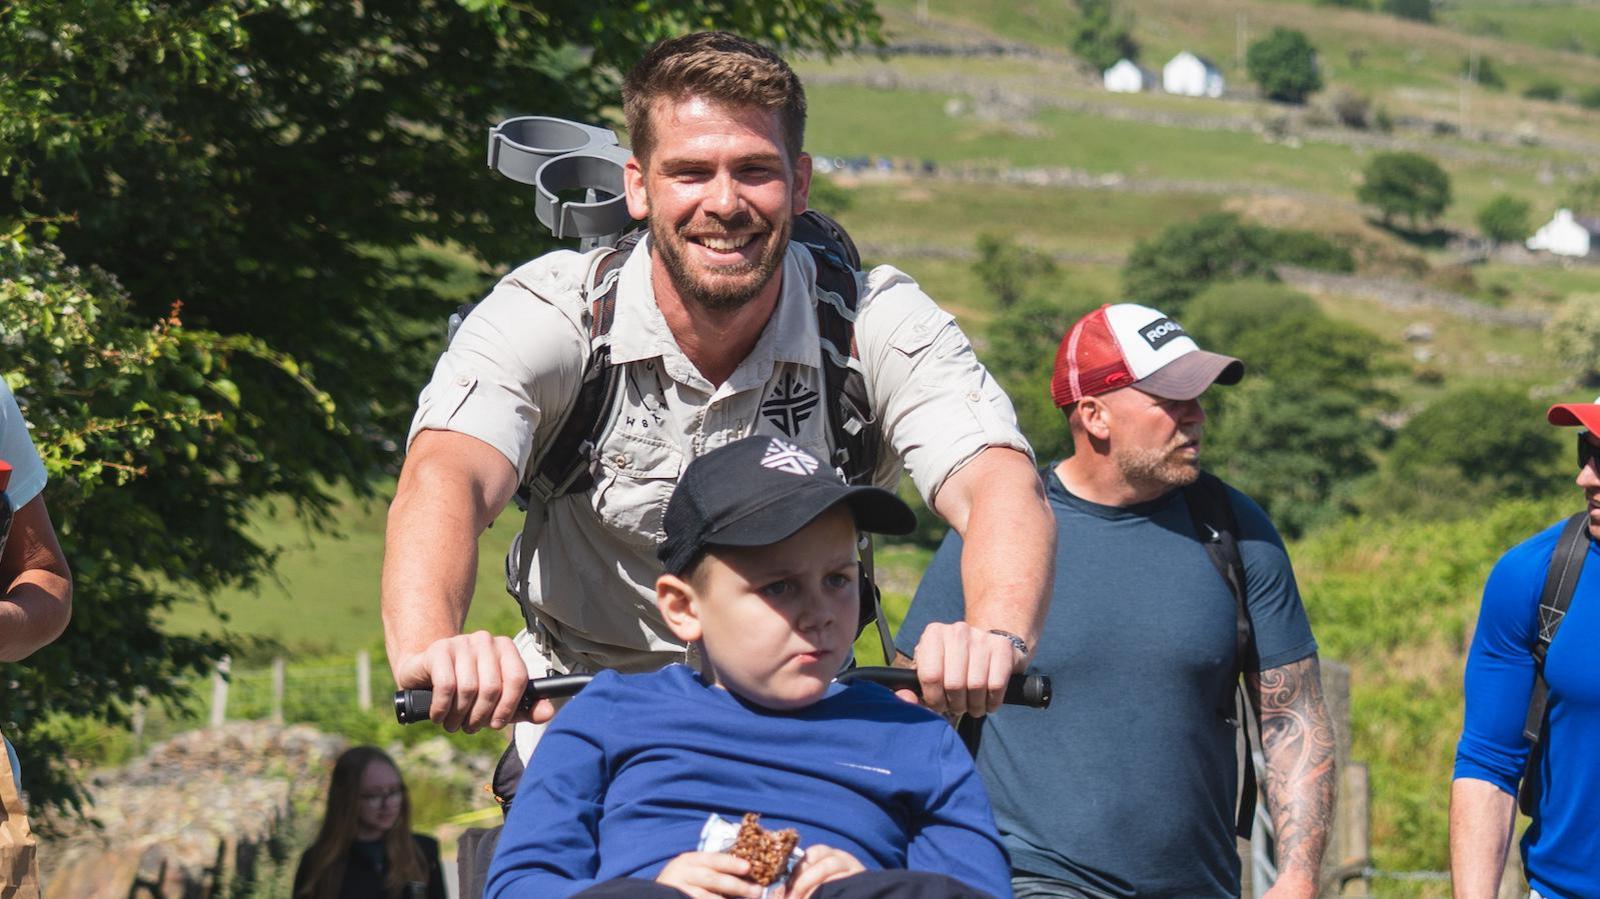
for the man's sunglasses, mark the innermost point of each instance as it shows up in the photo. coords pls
(1588, 450)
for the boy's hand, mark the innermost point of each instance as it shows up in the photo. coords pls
(820, 865)
(709, 875)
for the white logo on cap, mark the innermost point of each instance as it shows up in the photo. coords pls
(788, 457)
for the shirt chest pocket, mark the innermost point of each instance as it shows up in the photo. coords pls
(636, 476)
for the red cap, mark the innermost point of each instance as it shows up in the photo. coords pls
(1585, 415)
(5, 473)
(1127, 345)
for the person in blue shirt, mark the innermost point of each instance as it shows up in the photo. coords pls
(762, 578)
(1561, 848)
(1126, 785)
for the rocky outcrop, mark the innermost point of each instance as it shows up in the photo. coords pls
(199, 816)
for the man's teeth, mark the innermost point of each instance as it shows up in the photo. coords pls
(724, 244)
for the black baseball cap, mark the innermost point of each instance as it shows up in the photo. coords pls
(760, 490)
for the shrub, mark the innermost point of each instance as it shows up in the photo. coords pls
(1505, 218)
(1489, 436)
(1590, 99)
(1486, 74)
(1572, 335)
(1284, 65)
(1101, 37)
(1415, 10)
(1183, 259)
(1543, 89)
(1350, 108)
(1407, 184)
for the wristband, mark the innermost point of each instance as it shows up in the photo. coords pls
(1017, 643)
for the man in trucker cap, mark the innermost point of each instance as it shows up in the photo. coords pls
(1128, 786)
(1532, 725)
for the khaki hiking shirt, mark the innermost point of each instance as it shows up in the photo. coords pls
(515, 365)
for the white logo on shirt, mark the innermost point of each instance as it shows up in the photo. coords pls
(884, 771)
(788, 457)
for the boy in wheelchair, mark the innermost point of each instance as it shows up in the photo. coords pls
(639, 775)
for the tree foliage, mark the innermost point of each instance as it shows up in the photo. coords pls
(1101, 36)
(1488, 436)
(1407, 184)
(1505, 219)
(1008, 270)
(1301, 428)
(1415, 10)
(301, 176)
(154, 459)
(1284, 66)
(1572, 335)
(1165, 271)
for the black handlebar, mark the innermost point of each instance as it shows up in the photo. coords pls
(1032, 690)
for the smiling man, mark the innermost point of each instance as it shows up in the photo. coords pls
(1126, 787)
(713, 323)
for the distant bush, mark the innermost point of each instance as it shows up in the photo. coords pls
(1350, 108)
(1487, 74)
(1382, 120)
(1183, 259)
(1301, 426)
(1416, 10)
(1590, 99)
(1583, 197)
(1543, 89)
(1572, 335)
(1101, 36)
(1408, 184)
(1284, 65)
(1492, 436)
(1348, 4)
(1009, 271)
(1505, 219)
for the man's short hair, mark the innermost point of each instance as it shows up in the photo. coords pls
(717, 66)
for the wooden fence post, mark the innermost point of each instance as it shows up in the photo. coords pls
(277, 689)
(219, 691)
(364, 680)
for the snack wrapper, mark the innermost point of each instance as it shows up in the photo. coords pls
(719, 834)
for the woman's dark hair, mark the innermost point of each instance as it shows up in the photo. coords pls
(325, 859)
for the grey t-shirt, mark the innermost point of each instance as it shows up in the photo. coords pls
(1126, 784)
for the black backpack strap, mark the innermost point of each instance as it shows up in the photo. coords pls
(1560, 580)
(1218, 531)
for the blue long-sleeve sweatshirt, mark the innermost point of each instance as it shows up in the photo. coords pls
(626, 775)
(1561, 849)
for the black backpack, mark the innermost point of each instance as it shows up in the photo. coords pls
(1218, 530)
(567, 464)
(1566, 563)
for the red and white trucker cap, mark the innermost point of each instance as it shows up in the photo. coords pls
(1126, 345)
(1584, 415)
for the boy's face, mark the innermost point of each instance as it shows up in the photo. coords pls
(776, 622)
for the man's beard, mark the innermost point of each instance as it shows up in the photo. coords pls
(1163, 467)
(721, 288)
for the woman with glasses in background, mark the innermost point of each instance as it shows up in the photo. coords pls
(365, 849)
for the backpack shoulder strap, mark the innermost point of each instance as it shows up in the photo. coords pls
(1560, 580)
(1217, 528)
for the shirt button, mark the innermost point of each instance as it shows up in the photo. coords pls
(620, 459)
(973, 396)
(462, 380)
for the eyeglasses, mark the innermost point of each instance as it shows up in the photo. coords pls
(383, 796)
(1588, 450)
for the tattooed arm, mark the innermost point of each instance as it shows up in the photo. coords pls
(1297, 738)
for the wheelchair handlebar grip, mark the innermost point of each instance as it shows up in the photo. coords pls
(411, 706)
(1031, 690)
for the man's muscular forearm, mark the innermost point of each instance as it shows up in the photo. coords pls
(1481, 815)
(1297, 738)
(997, 504)
(451, 487)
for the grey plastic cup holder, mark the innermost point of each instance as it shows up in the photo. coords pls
(555, 156)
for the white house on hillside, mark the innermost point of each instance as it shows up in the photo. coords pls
(1127, 77)
(1565, 235)
(1191, 76)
